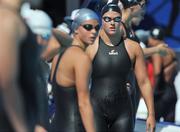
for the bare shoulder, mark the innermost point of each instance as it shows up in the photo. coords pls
(133, 48)
(78, 54)
(132, 45)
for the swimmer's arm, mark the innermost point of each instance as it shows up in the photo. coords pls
(63, 38)
(10, 38)
(51, 50)
(160, 49)
(145, 87)
(56, 42)
(82, 75)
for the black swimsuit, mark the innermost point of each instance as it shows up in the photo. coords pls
(165, 95)
(110, 98)
(67, 116)
(130, 33)
(134, 88)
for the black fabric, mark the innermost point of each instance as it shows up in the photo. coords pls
(159, 84)
(29, 57)
(130, 33)
(134, 88)
(110, 99)
(67, 116)
(167, 97)
(42, 82)
(164, 95)
(134, 92)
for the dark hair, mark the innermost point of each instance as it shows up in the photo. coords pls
(130, 3)
(110, 7)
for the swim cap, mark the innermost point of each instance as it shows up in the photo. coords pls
(82, 15)
(101, 3)
(38, 21)
(110, 7)
(157, 33)
(71, 18)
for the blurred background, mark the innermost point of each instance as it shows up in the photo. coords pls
(165, 13)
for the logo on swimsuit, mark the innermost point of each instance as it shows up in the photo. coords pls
(113, 52)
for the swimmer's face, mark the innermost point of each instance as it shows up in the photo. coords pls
(87, 31)
(139, 12)
(139, 9)
(111, 22)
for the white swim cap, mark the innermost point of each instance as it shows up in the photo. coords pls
(39, 21)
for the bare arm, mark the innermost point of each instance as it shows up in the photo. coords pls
(58, 40)
(160, 49)
(51, 50)
(82, 74)
(145, 87)
(63, 38)
(10, 38)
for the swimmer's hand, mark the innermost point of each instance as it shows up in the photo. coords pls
(150, 123)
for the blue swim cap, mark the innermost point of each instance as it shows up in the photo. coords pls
(82, 15)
